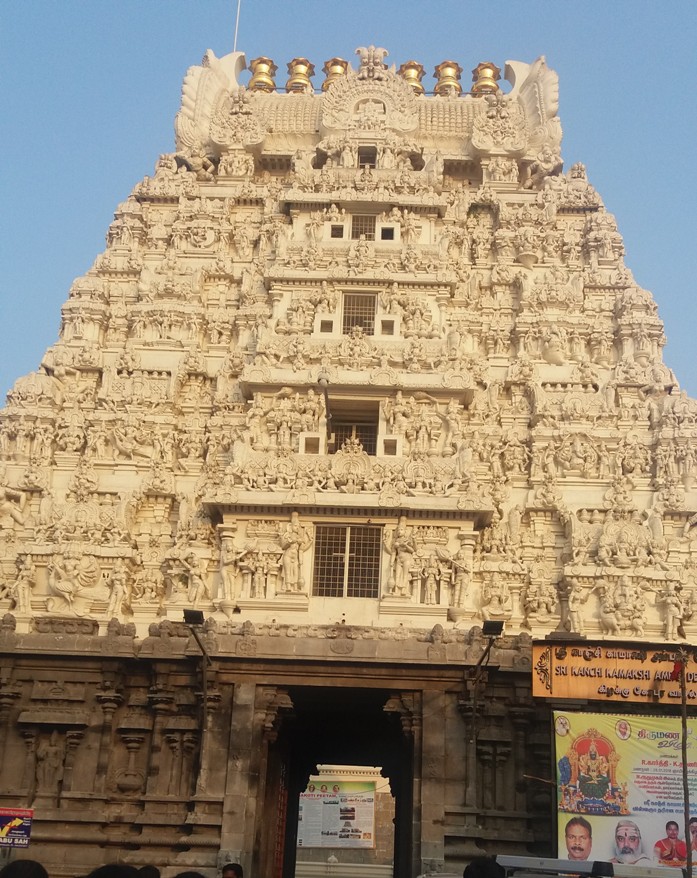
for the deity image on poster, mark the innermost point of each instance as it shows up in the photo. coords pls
(621, 788)
(588, 776)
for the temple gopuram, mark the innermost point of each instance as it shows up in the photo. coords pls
(359, 401)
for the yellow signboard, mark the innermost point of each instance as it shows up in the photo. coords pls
(610, 672)
(620, 794)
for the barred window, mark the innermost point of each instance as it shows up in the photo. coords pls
(359, 310)
(363, 225)
(354, 420)
(347, 561)
(367, 156)
(365, 433)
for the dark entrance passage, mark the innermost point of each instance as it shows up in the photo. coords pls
(346, 726)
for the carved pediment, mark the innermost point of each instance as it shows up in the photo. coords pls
(367, 106)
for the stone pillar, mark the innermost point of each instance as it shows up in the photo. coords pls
(237, 831)
(408, 822)
(433, 771)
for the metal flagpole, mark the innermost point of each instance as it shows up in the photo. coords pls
(237, 25)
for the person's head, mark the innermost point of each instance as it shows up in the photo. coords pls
(672, 829)
(627, 841)
(579, 838)
(484, 867)
(232, 870)
(114, 870)
(692, 826)
(23, 869)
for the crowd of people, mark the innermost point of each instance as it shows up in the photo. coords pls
(628, 848)
(34, 869)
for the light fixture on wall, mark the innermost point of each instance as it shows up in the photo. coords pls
(193, 617)
(492, 630)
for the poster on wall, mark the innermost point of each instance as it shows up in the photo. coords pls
(620, 788)
(15, 826)
(337, 814)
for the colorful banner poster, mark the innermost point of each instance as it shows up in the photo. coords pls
(15, 826)
(337, 814)
(620, 788)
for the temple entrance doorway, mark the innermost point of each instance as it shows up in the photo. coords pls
(363, 731)
(346, 823)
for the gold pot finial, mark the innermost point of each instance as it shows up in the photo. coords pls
(263, 71)
(413, 73)
(448, 74)
(300, 70)
(485, 77)
(333, 69)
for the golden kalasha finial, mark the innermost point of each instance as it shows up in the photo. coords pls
(485, 77)
(448, 74)
(263, 71)
(413, 73)
(300, 70)
(334, 69)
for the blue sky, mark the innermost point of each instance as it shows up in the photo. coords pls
(90, 89)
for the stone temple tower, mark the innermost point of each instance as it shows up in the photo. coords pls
(360, 372)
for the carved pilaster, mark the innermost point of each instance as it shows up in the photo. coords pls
(29, 776)
(521, 717)
(9, 694)
(134, 729)
(131, 779)
(109, 699)
(72, 740)
(161, 701)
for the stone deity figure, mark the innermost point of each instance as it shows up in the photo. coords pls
(431, 572)
(26, 579)
(575, 601)
(461, 572)
(450, 427)
(496, 600)
(49, 764)
(401, 546)
(118, 585)
(673, 610)
(259, 565)
(229, 558)
(196, 568)
(295, 540)
(64, 578)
